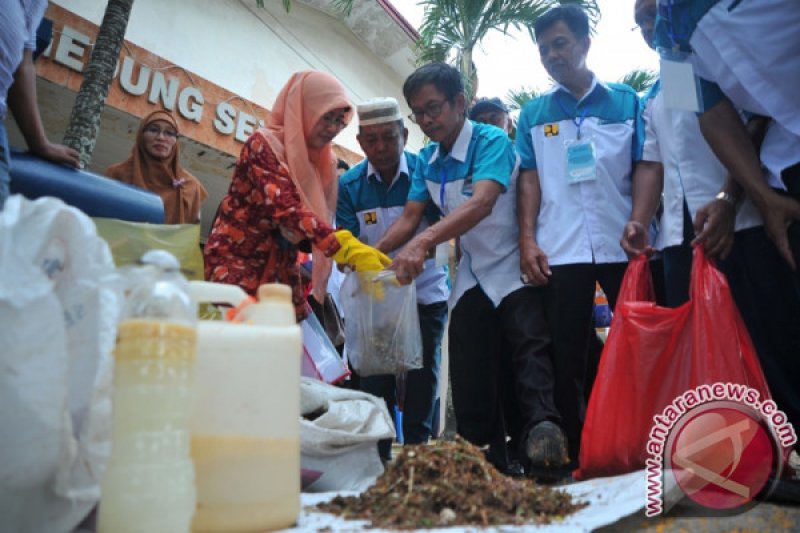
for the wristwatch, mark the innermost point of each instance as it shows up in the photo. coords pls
(729, 198)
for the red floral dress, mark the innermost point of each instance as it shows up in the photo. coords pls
(260, 224)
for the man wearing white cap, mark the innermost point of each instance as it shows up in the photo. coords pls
(372, 195)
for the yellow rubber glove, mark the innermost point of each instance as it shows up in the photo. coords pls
(359, 255)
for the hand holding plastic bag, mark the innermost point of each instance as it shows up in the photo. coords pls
(381, 326)
(655, 354)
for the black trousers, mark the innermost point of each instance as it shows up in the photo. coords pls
(480, 337)
(568, 297)
(791, 178)
(767, 293)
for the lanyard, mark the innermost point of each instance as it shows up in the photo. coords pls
(442, 183)
(575, 120)
(674, 37)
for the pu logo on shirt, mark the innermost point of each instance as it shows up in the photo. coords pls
(370, 218)
(551, 130)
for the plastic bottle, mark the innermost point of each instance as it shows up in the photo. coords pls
(246, 419)
(149, 484)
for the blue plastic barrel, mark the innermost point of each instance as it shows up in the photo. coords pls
(95, 195)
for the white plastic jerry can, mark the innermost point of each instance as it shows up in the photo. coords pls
(246, 417)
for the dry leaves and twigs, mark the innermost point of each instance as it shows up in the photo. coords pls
(450, 484)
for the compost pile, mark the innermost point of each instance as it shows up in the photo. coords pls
(450, 484)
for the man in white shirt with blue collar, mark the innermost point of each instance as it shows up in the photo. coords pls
(578, 144)
(727, 224)
(371, 197)
(742, 55)
(469, 173)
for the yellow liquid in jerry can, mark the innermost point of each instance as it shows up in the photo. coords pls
(246, 418)
(149, 484)
(236, 488)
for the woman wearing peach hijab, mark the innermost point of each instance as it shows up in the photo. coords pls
(282, 197)
(153, 165)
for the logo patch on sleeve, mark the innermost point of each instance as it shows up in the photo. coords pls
(551, 130)
(371, 218)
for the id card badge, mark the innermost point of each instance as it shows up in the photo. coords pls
(581, 163)
(678, 81)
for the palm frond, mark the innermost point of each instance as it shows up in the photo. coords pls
(517, 98)
(345, 7)
(639, 79)
(453, 28)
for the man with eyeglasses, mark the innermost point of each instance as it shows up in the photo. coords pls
(578, 144)
(468, 171)
(371, 197)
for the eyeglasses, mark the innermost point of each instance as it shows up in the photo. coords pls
(332, 119)
(432, 109)
(155, 131)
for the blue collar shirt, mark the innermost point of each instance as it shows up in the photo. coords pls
(490, 250)
(582, 222)
(367, 207)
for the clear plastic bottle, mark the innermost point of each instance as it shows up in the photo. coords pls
(149, 484)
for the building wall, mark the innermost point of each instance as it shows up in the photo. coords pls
(227, 57)
(251, 51)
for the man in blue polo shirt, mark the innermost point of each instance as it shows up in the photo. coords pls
(469, 172)
(578, 144)
(745, 56)
(371, 197)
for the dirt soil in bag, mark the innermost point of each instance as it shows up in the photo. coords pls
(450, 484)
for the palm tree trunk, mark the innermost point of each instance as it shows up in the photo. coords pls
(469, 74)
(84, 123)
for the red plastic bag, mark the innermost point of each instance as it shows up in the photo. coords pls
(654, 354)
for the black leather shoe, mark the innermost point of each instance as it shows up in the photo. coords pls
(546, 446)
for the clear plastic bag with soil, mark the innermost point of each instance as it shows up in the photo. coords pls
(381, 324)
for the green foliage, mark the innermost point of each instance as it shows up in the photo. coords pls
(517, 98)
(343, 6)
(640, 79)
(451, 29)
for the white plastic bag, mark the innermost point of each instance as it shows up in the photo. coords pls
(59, 305)
(381, 324)
(320, 359)
(339, 434)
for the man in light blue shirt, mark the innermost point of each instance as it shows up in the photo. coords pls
(578, 144)
(468, 171)
(744, 54)
(371, 197)
(727, 225)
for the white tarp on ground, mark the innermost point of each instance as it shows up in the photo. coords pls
(610, 499)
